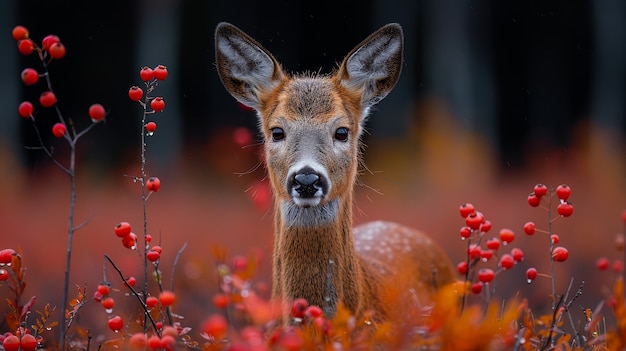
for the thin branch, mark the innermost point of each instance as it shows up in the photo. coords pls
(176, 259)
(135, 293)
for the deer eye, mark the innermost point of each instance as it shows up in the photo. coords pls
(278, 134)
(341, 134)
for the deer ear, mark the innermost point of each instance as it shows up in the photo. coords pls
(247, 70)
(373, 67)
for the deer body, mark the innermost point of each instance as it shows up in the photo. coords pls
(312, 126)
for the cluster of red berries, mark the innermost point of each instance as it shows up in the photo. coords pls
(475, 228)
(167, 340)
(129, 239)
(22, 340)
(563, 191)
(541, 193)
(151, 77)
(51, 47)
(6, 258)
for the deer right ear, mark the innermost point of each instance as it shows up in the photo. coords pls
(373, 67)
(247, 70)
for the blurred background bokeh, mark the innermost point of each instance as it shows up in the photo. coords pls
(495, 96)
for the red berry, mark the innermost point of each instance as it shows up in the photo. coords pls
(116, 323)
(474, 251)
(242, 136)
(122, 229)
(28, 342)
(565, 209)
(150, 127)
(507, 235)
(25, 47)
(6, 256)
(560, 254)
(485, 226)
(25, 109)
(47, 99)
(152, 255)
(465, 232)
(477, 288)
(153, 184)
(221, 300)
(531, 274)
(554, 238)
(461, 267)
(466, 209)
(529, 228)
(131, 281)
(96, 113)
(149, 238)
(313, 312)
(602, 263)
(298, 307)
(474, 220)
(215, 327)
(518, 254)
(507, 261)
(157, 248)
(540, 190)
(154, 342)
(97, 296)
(160, 72)
(135, 93)
(4, 274)
(618, 266)
(11, 343)
(146, 74)
(57, 51)
(19, 32)
(104, 289)
(108, 303)
(59, 130)
(493, 243)
(130, 241)
(486, 275)
(157, 104)
(534, 200)
(138, 341)
(168, 343)
(48, 40)
(563, 191)
(151, 301)
(167, 298)
(486, 255)
(30, 76)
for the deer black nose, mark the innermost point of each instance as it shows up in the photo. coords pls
(307, 183)
(306, 179)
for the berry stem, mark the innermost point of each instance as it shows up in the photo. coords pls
(551, 246)
(144, 199)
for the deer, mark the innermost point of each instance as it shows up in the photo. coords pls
(312, 125)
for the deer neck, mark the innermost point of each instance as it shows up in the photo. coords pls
(314, 255)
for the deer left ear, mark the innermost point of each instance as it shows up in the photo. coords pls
(373, 67)
(247, 70)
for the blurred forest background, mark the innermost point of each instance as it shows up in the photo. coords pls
(495, 97)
